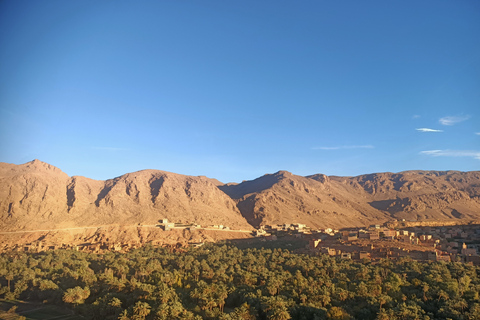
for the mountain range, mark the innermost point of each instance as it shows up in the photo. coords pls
(37, 195)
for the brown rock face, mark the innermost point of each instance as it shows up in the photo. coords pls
(32, 194)
(36, 195)
(321, 201)
(315, 200)
(420, 195)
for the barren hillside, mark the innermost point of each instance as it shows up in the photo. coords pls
(286, 198)
(419, 195)
(322, 201)
(36, 195)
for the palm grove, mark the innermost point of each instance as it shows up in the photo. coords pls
(220, 281)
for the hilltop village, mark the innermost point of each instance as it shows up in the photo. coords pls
(427, 243)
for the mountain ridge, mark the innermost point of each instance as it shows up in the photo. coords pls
(39, 195)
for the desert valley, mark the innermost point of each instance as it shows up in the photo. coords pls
(160, 245)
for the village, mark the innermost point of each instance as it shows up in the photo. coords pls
(102, 244)
(441, 243)
(426, 243)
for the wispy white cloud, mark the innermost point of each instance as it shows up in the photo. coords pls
(428, 130)
(451, 120)
(111, 149)
(452, 153)
(416, 116)
(344, 147)
(477, 133)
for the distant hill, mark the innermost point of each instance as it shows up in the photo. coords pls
(36, 195)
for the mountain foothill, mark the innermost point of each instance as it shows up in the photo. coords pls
(37, 195)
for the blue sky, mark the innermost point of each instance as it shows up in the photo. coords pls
(236, 89)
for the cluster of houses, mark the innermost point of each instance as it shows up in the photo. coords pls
(443, 243)
(99, 247)
(271, 232)
(165, 225)
(456, 243)
(461, 243)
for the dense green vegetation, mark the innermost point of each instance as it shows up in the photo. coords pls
(225, 282)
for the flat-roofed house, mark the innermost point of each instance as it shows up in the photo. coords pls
(346, 255)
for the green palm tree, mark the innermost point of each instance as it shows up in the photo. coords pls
(141, 310)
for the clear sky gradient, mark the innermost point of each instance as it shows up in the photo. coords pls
(236, 89)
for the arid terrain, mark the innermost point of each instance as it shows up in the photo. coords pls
(39, 196)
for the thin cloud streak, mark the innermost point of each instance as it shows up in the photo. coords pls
(428, 130)
(344, 147)
(452, 153)
(477, 133)
(451, 120)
